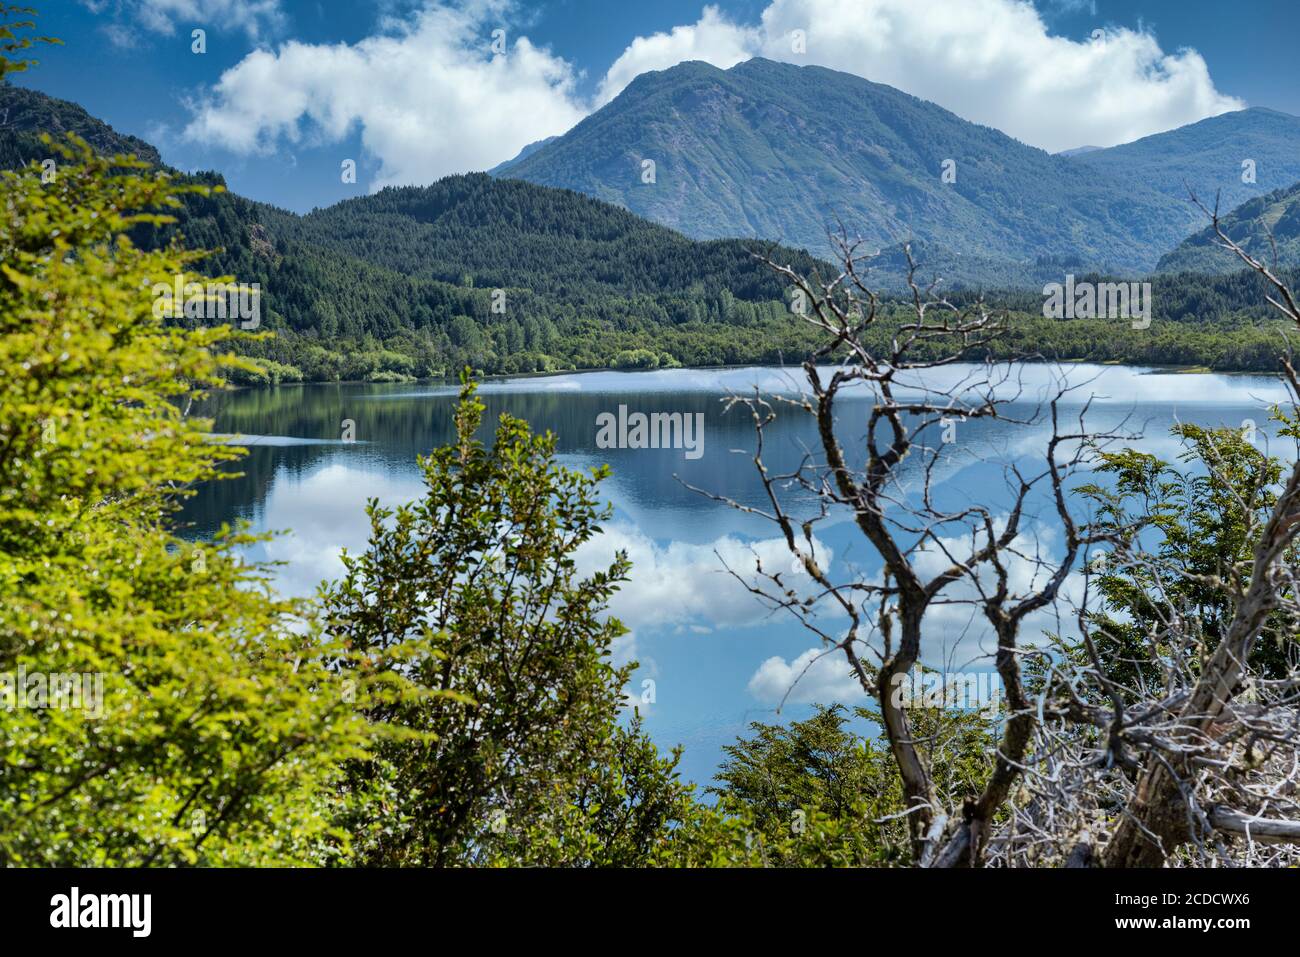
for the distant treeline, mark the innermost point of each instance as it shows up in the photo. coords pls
(508, 277)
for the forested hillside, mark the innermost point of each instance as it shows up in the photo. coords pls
(400, 284)
(1268, 228)
(25, 114)
(512, 234)
(511, 277)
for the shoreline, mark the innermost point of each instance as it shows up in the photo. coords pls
(1147, 369)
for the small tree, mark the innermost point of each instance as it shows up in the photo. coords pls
(485, 655)
(817, 792)
(628, 808)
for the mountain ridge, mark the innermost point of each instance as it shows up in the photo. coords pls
(1267, 228)
(497, 274)
(787, 151)
(26, 113)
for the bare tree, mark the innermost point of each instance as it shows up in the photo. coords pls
(1195, 740)
(1088, 769)
(910, 371)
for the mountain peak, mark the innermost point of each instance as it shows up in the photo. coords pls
(762, 63)
(687, 69)
(789, 152)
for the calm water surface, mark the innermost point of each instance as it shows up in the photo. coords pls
(717, 659)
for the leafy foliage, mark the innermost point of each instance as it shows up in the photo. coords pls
(14, 22)
(218, 723)
(818, 794)
(468, 609)
(1194, 526)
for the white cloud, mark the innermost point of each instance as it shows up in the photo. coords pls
(430, 97)
(714, 39)
(818, 676)
(253, 17)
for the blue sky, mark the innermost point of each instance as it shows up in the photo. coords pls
(413, 89)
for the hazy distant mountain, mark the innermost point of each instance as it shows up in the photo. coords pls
(1250, 225)
(1241, 155)
(1079, 151)
(784, 152)
(524, 153)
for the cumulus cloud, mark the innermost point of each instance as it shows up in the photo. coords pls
(430, 96)
(991, 61)
(254, 17)
(818, 676)
(714, 39)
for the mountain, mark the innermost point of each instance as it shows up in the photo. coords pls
(1078, 151)
(524, 153)
(1265, 227)
(513, 234)
(1221, 154)
(25, 114)
(785, 152)
(511, 277)
(470, 231)
(502, 274)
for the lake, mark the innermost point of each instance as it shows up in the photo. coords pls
(716, 659)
